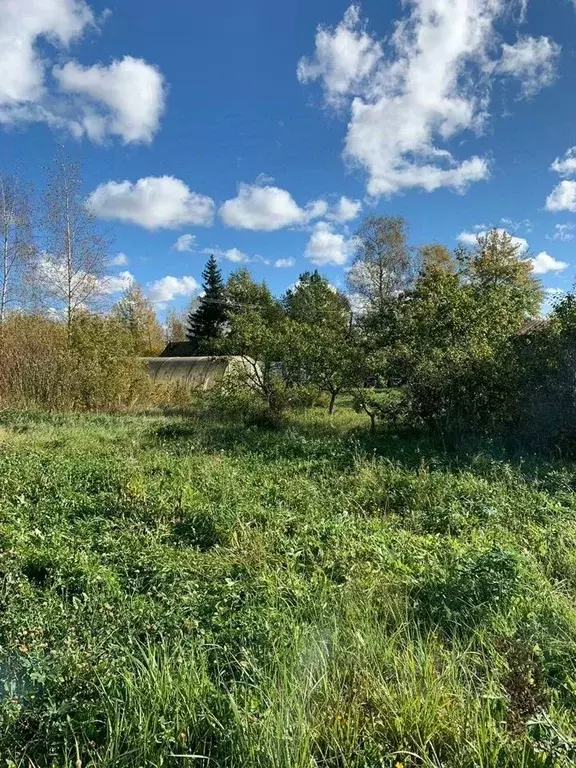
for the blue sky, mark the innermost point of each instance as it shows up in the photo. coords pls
(240, 127)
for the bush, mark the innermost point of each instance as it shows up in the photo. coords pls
(94, 368)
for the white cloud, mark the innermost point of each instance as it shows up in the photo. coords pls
(117, 283)
(154, 202)
(468, 238)
(344, 58)
(168, 288)
(120, 260)
(267, 208)
(565, 166)
(125, 98)
(234, 255)
(345, 210)
(284, 263)
(562, 197)
(83, 285)
(432, 84)
(563, 232)
(532, 60)
(25, 23)
(543, 263)
(471, 238)
(185, 243)
(328, 247)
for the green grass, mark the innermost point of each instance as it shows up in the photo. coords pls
(175, 592)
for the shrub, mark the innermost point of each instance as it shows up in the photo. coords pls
(95, 367)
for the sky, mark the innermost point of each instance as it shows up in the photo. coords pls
(263, 132)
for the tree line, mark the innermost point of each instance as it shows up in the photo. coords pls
(423, 337)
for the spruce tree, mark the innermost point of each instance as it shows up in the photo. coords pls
(206, 323)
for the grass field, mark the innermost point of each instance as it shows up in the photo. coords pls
(176, 592)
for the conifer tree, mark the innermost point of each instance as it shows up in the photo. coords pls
(206, 324)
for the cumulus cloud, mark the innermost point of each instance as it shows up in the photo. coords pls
(565, 166)
(169, 288)
(562, 197)
(125, 98)
(471, 238)
(234, 255)
(328, 247)
(344, 58)
(120, 260)
(345, 210)
(83, 287)
(532, 60)
(117, 283)
(154, 202)
(563, 232)
(267, 208)
(430, 84)
(543, 263)
(284, 263)
(185, 243)
(24, 24)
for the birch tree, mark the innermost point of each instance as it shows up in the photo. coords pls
(71, 269)
(17, 247)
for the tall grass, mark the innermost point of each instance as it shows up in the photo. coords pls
(181, 592)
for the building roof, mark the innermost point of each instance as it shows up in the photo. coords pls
(200, 373)
(532, 326)
(179, 349)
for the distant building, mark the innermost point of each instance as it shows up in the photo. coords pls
(199, 373)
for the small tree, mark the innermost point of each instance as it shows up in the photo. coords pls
(262, 344)
(207, 323)
(327, 356)
(383, 265)
(175, 326)
(16, 237)
(244, 294)
(315, 301)
(70, 273)
(436, 257)
(136, 314)
(453, 332)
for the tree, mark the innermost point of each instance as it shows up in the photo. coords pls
(175, 326)
(453, 334)
(70, 273)
(17, 247)
(207, 323)
(383, 265)
(315, 301)
(263, 344)
(436, 257)
(328, 356)
(504, 282)
(136, 314)
(244, 294)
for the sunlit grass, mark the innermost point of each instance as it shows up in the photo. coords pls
(177, 591)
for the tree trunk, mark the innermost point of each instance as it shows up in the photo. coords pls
(332, 406)
(372, 422)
